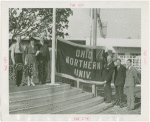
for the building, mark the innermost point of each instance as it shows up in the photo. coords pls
(120, 26)
(124, 49)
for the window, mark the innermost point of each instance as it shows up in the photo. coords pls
(121, 54)
(134, 54)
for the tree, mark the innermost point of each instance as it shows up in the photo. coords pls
(34, 21)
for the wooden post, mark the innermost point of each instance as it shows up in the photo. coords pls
(77, 83)
(96, 91)
(93, 89)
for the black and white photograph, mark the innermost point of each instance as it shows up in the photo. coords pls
(75, 60)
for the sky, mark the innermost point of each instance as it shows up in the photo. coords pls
(121, 23)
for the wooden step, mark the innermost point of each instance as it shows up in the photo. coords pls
(38, 91)
(51, 106)
(26, 88)
(47, 98)
(95, 109)
(73, 108)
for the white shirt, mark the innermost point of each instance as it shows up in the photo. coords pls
(118, 67)
(129, 67)
(42, 43)
(15, 49)
(109, 63)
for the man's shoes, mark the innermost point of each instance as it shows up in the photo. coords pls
(117, 102)
(130, 108)
(107, 101)
(121, 105)
(43, 83)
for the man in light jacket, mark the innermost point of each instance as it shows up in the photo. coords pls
(130, 82)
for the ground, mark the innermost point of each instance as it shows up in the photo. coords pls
(124, 110)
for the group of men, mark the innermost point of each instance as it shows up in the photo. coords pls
(18, 57)
(124, 76)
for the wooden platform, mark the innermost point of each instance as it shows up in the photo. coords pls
(61, 99)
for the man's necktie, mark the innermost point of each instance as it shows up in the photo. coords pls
(117, 67)
(19, 47)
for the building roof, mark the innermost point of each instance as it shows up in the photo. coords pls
(119, 42)
(110, 43)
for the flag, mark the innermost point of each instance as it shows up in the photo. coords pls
(79, 61)
(102, 25)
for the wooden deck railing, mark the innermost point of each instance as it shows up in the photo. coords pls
(93, 83)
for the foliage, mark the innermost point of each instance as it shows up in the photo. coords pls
(34, 21)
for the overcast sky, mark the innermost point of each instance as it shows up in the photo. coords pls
(122, 23)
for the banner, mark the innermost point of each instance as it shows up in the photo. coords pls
(80, 61)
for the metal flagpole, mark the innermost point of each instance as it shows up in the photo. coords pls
(53, 49)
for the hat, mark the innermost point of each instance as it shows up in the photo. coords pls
(31, 39)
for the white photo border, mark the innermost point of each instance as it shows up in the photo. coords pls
(143, 5)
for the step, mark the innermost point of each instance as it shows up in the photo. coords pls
(38, 91)
(35, 100)
(26, 88)
(71, 101)
(96, 109)
(53, 105)
(73, 108)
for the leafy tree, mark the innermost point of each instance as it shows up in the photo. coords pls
(34, 21)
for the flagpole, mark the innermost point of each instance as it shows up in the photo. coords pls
(53, 47)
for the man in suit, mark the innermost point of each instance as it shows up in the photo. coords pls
(107, 76)
(130, 82)
(43, 59)
(119, 81)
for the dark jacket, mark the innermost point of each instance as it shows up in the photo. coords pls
(44, 53)
(108, 71)
(120, 76)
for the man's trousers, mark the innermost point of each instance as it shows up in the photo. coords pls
(119, 93)
(130, 96)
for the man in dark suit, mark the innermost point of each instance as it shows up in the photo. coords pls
(107, 76)
(119, 81)
(43, 59)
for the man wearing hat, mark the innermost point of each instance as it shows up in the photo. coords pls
(43, 59)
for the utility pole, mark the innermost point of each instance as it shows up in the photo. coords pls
(94, 28)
